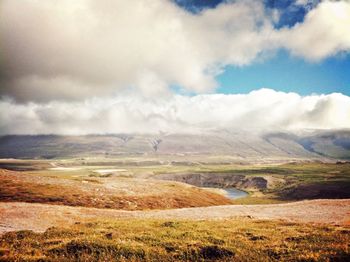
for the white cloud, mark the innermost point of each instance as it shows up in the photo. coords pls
(324, 32)
(71, 50)
(263, 109)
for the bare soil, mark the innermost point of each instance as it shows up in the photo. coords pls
(16, 216)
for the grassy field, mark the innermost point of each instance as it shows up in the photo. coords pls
(162, 240)
(298, 181)
(135, 186)
(284, 182)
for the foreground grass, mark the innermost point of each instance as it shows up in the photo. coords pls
(159, 240)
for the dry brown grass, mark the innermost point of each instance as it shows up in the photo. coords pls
(164, 240)
(17, 186)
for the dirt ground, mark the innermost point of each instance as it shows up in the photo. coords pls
(16, 216)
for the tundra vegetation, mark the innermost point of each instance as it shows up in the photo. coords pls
(163, 240)
(135, 183)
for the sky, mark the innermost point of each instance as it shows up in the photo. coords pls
(88, 66)
(295, 73)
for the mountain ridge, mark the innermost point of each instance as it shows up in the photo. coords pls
(315, 145)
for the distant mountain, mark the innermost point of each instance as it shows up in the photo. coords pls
(330, 144)
(312, 144)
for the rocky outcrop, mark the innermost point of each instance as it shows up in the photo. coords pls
(316, 191)
(254, 182)
(222, 180)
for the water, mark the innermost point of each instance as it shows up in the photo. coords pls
(234, 193)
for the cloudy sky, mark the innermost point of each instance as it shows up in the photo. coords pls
(110, 66)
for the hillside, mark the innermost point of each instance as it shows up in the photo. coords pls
(240, 145)
(81, 189)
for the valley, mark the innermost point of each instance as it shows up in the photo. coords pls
(173, 207)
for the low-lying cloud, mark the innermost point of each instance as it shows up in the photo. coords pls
(75, 50)
(264, 109)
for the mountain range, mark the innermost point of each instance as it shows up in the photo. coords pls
(307, 144)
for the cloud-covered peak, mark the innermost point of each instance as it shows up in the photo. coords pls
(264, 109)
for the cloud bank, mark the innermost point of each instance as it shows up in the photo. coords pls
(75, 50)
(264, 109)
